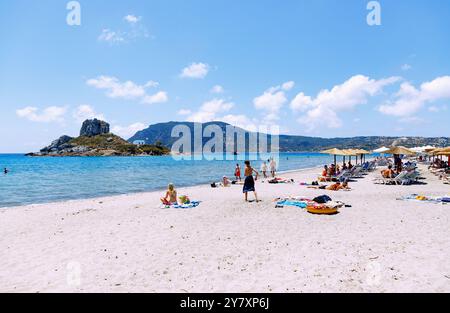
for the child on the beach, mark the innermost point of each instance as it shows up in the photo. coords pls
(237, 172)
(171, 196)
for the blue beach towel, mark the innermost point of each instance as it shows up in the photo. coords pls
(299, 204)
(192, 204)
(413, 197)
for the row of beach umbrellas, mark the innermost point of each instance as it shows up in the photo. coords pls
(346, 152)
(399, 150)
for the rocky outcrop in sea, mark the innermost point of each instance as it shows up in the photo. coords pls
(95, 127)
(96, 140)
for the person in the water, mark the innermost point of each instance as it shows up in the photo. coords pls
(5, 170)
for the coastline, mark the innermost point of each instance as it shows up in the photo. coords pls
(127, 243)
(159, 190)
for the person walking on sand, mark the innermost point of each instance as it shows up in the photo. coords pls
(249, 182)
(264, 169)
(237, 172)
(273, 168)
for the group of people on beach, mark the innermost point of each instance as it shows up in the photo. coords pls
(250, 177)
(270, 164)
(334, 170)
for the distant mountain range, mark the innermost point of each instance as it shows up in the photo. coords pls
(161, 134)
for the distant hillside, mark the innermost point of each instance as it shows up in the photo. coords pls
(161, 133)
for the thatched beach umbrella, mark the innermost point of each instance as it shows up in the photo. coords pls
(400, 151)
(350, 153)
(441, 152)
(362, 153)
(335, 152)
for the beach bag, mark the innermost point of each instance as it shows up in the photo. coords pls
(322, 199)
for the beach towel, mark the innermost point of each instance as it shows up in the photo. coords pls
(299, 204)
(192, 204)
(421, 198)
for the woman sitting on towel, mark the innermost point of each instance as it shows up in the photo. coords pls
(171, 196)
(249, 182)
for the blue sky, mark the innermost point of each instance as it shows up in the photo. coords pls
(314, 68)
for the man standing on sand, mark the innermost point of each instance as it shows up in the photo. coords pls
(273, 167)
(249, 182)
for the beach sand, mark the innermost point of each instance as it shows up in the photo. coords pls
(129, 244)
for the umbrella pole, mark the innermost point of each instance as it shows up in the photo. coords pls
(335, 163)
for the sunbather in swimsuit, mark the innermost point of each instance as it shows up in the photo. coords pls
(171, 196)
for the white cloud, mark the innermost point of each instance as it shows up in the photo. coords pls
(111, 37)
(322, 110)
(132, 19)
(288, 85)
(184, 112)
(159, 97)
(217, 89)
(151, 84)
(409, 100)
(241, 121)
(49, 114)
(84, 112)
(134, 30)
(128, 131)
(195, 70)
(117, 89)
(209, 110)
(411, 120)
(128, 90)
(272, 101)
(406, 67)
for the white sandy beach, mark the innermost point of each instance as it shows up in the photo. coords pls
(128, 244)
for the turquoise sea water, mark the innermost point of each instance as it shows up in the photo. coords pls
(42, 180)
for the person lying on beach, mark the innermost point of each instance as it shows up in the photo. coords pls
(249, 182)
(281, 181)
(171, 196)
(338, 186)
